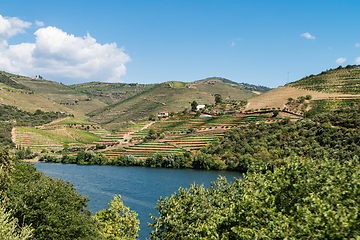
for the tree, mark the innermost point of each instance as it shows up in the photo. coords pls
(152, 133)
(9, 227)
(198, 113)
(152, 117)
(218, 99)
(308, 97)
(6, 166)
(118, 221)
(301, 199)
(194, 105)
(301, 99)
(275, 113)
(51, 206)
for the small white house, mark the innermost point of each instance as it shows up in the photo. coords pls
(163, 114)
(200, 107)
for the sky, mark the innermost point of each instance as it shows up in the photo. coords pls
(265, 43)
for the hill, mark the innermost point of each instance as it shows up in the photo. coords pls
(342, 80)
(255, 88)
(329, 89)
(169, 96)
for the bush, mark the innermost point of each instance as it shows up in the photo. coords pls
(301, 199)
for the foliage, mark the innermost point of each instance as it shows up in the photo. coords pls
(100, 146)
(11, 116)
(52, 207)
(6, 166)
(340, 80)
(118, 221)
(198, 113)
(8, 81)
(9, 228)
(194, 105)
(275, 113)
(152, 117)
(301, 199)
(218, 99)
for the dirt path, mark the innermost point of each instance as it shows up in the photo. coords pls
(127, 135)
(55, 121)
(13, 135)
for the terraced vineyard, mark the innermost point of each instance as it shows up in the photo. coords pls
(53, 136)
(36, 141)
(165, 146)
(343, 80)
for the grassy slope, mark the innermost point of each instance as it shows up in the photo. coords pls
(332, 86)
(247, 86)
(31, 102)
(110, 92)
(341, 80)
(170, 96)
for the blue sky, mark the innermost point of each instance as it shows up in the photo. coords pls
(256, 42)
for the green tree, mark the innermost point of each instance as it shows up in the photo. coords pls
(152, 117)
(300, 199)
(301, 99)
(194, 105)
(9, 228)
(118, 221)
(218, 99)
(275, 113)
(152, 133)
(198, 113)
(51, 206)
(308, 97)
(6, 166)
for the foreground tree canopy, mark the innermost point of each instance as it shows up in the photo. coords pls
(302, 199)
(118, 221)
(32, 204)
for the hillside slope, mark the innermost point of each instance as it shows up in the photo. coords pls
(169, 96)
(342, 80)
(332, 87)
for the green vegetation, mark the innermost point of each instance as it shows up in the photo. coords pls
(344, 80)
(73, 121)
(246, 86)
(32, 204)
(111, 92)
(118, 222)
(162, 97)
(11, 83)
(11, 116)
(9, 227)
(301, 199)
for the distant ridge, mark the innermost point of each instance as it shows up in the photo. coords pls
(247, 86)
(342, 80)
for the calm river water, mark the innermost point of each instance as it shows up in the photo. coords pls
(140, 188)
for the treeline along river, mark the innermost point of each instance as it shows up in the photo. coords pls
(140, 188)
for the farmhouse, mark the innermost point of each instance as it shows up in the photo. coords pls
(200, 107)
(162, 114)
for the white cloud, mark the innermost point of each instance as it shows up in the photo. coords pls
(357, 60)
(340, 60)
(357, 44)
(57, 55)
(39, 23)
(232, 44)
(307, 35)
(11, 26)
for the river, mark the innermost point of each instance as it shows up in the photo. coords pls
(140, 188)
